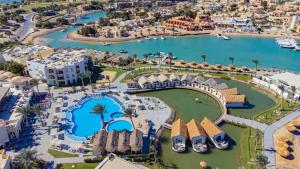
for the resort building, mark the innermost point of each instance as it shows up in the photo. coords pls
(4, 139)
(286, 79)
(179, 136)
(197, 136)
(214, 133)
(136, 141)
(64, 67)
(112, 161)
(22, 53)
(112, 141)
(189, 24)
(232, 97)
(5, 160)
(99, 143)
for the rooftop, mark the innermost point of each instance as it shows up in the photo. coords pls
(290, 78)
(179, 129)
(24, 51)
(195, 129)
(210, 127)
(231, 91)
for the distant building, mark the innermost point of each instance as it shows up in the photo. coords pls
(23, 53)
(60, 68)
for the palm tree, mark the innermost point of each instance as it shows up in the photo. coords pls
(293, 89)
(25, 112)
(129, 112)
(38, 110)
(108, 79)
(231, 60)
(255, 62)
(100, 110)
(89, 75)
(26, 159)
(203, 57)
(261, 161)
(170, 55)
(146, 55)
(81, 76)
(134, 57)
(35, 83)
(282, 89)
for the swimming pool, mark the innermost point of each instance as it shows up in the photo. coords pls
(83, 123)
(119, 125)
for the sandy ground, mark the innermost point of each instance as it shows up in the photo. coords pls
(111, 74)
(294, 161)
(32, 38)
(140, 33)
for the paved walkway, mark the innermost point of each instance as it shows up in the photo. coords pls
(268, 142)
(242, 121)
(27, 27)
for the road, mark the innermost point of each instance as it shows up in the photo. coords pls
(26, 28)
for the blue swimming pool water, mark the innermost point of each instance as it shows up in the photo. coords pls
(120, 125)
(4, 2)
(243, 49)
(86, 123)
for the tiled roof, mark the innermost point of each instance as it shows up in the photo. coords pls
(210, 127)
(179, 129)
(195, 129)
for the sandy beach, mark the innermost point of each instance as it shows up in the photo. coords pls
(33, 36)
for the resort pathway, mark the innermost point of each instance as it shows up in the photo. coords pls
(250, 123)
(70, 160)
(269, 148)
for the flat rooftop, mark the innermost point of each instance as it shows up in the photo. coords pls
(291, 78)
(3, 91)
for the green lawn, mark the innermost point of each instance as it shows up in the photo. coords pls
(60, 154)
(79, 166)
(118, 71)
(39, 4)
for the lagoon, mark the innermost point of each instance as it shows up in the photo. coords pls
(189, 48)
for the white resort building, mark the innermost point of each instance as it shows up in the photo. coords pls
(61, 68)
(228, 97)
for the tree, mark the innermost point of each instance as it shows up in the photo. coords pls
(255, 62)
(170, 56)
(231, 60)
(26, 159)
(282, 89)
(89, 74)
(146, 55)
(38, 110)
(25, 112)
(261, 161)
(35, 83)
(134, 57)
(81, 76)
(293, 89)
(129, 112)
(203, 57)
(99, 110)
(108, 79)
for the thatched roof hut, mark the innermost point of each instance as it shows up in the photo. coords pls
(99, 142)
(136, 140)
(112, 141)
(123, 142)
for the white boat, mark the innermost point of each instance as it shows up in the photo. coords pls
(223, 37)
(106, 44)
(287, 42)
(154, 38)
(162, 38)
(139, 40)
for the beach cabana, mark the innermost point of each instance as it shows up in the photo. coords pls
(221, 86)
(197, 136)
(175, 80)
(186, 80)
(214, 133)
(144, 83)
(179, 136)
(136, 141)
(210, 82)
(198, 80)
(99, 143)
(234, 100)
(230, 91)
(164, 80)
(123, 142)
(154, 81)
(112, 141)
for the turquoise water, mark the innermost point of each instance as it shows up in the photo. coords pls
(119, 125)
(87, 123)
(243, 49)
(3, 2)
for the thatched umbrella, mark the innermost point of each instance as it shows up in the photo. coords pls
(245, 68)
(284, 153)
(296, 123)
(282, 144)
(203, 164)
(291, 128)
(193, 63)
(282, 138)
